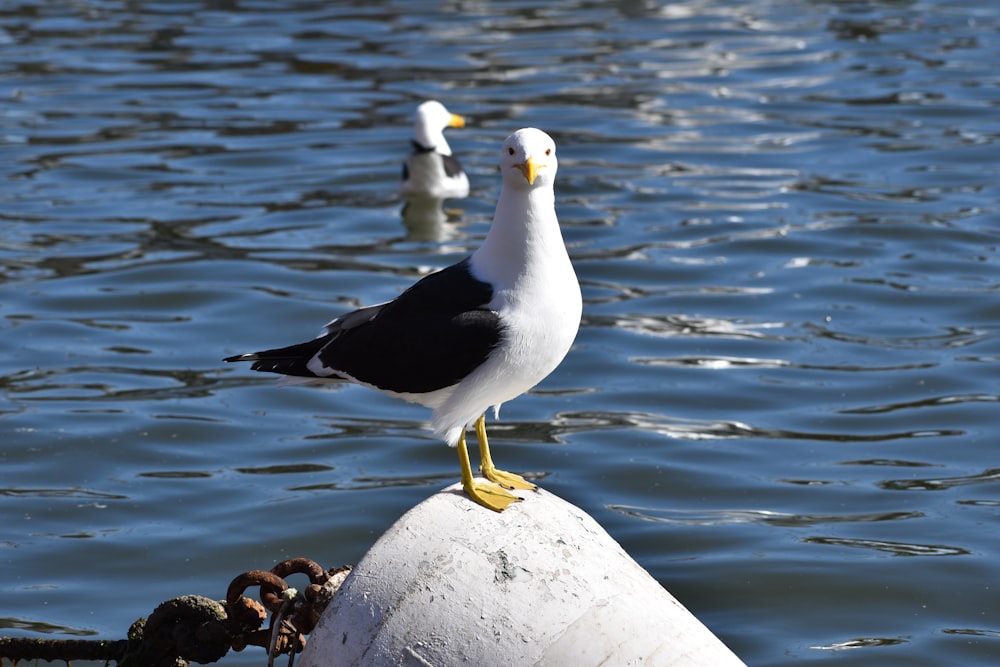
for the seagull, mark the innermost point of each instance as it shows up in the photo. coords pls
(431, 170)
(470, 336)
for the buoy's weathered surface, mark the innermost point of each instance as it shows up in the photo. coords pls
(541, 583)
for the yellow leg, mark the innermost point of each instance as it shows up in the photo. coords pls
(487, 494)
(505, 479)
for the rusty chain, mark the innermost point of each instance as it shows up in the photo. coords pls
(194, 628)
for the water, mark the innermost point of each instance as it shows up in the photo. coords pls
(782, 399)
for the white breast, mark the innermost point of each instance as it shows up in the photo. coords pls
(541, 312)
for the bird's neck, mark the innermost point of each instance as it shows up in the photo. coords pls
(525, 230)
(428, 141)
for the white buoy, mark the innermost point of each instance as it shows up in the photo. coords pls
(541, 583)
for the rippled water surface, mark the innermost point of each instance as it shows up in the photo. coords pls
(782, 400)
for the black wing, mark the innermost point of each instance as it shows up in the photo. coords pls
(430, 337)
(452, 166)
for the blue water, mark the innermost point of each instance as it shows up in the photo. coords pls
(783, 397)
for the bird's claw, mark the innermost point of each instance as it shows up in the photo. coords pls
(490, 495)
(507, 480)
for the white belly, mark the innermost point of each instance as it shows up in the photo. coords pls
(539, 331)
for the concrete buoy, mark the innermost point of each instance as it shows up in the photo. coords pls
(541, 583)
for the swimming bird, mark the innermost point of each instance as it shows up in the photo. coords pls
(431, 170)
(473, 335)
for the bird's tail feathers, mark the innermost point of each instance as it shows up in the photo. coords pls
(291, 360)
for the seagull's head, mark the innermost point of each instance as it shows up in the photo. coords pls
(528, 159)
(430, 121)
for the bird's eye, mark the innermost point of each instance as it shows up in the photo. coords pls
(548, 151)
(510, 150)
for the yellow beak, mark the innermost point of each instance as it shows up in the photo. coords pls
(530, 169)
(456, 121)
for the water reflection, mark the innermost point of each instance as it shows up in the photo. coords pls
(43, 628)
(989, 476)
(96, 496)
(284, 469)
(697, 429)
(894, 548)
(426, 220)
(380, 482)
(730, 363)
(679, 324)
(700, 517)
(95, 383)
(861, 642)
(922, 404)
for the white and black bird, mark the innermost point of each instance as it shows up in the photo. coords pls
(431, 170)
(473, 335)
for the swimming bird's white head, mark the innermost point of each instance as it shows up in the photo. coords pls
(429, 124)
(528, 159)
